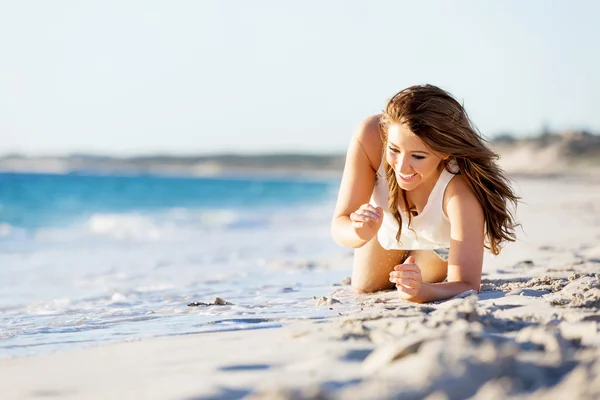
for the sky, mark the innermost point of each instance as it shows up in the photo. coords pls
(196, 77)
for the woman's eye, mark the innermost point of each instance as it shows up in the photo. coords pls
(418, 157)
(393, 150)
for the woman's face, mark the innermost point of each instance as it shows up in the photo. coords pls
(413, 162)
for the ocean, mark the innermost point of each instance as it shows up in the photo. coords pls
(89, 259)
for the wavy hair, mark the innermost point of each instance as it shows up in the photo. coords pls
(442, 123)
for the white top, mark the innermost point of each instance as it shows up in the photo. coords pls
(429, 230)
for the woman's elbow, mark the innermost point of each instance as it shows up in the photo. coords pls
(474, 285)
(335, 235)
(338, 235)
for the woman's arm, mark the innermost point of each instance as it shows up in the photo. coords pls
(466, 250)
(357, 186)
(439, 291)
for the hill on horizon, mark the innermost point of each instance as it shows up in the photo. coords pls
(547, 153)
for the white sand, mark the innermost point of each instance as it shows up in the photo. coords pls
(532, 332)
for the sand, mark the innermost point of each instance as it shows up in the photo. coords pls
(533, 332)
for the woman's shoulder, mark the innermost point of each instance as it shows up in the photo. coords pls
(459, 195)
(368, 135)
(369, 128)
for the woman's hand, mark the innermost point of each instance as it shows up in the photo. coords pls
(407, 278)
(366, 221)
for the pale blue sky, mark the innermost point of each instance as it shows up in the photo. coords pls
(137, 77)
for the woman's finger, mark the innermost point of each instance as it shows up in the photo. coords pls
(407, 267)
(358, 217)
(373, 215)
(369, 215)
(407, 290)
(412, 283)
(406, 281)
(375, 210)
(405, 274)
(363, 217)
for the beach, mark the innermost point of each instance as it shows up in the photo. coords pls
(532, 332)
(169, 173)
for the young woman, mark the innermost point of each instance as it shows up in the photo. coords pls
(420, 198)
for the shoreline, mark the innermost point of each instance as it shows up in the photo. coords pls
(497, 336)
(590, 174)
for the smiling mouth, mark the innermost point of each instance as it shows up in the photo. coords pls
(406, 178)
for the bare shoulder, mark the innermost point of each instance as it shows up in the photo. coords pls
(459, 195)
(368, 135)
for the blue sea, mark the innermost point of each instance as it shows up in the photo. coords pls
(88, 259)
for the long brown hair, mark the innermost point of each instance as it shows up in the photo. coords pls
(442, 123)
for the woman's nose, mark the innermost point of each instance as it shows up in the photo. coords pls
(403, 165)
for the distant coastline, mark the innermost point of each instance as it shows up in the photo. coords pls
(546, 154)
(280, 164)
